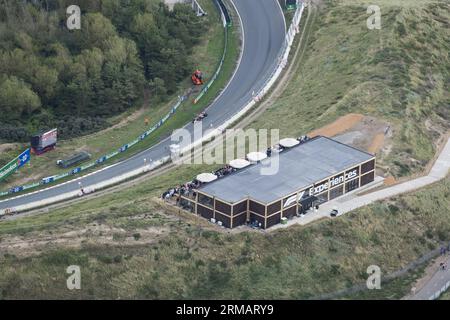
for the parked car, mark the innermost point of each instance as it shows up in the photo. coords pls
(334, 212)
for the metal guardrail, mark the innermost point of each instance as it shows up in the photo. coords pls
(226, 23)
(282, 59)
(272, 75)
(88, 190)
(226, 18)
(438, 293)
(279, 65)
(100, 160)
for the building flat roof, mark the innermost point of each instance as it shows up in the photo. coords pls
(299, 167)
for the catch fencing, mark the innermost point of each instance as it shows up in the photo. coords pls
(272, 77)
(48, 180)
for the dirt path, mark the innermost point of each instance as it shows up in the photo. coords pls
(339, 126)
(34, 244)
(435, 278)
(125, 121)
(7, 147)
(377, 143)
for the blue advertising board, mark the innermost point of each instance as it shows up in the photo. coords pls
(23, 158)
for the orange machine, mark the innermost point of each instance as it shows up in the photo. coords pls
(197, 78)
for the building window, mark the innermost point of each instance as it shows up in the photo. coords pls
(240, 207)
(367, 178)
(205, 200)
(369, 166)
(289, 213)
(352, 173)
(273, 220)
(290, 201)
(275, 207)
(352, 185)
(239, 220)
(337, 180)
(321, 198)
(205, 212)
(256, 220)
(257, 208)
(336, 192)
(187, 205)
(226, 221)
(223, 207)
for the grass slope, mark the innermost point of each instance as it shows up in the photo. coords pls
(400, 73)
(189, 260)
(207, 58)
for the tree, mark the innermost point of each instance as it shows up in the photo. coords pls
(158, 88)
(17, 98)
(96, 28)
(50, 76)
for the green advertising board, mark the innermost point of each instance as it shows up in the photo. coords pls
(9, 169)
(15, 164)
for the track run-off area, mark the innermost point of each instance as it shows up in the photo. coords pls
(265, 48)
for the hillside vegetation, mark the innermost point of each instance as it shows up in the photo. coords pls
(73, 80)
(400, 73)
(128, 246)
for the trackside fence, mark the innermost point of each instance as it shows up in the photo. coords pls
(226, 21)
(270, 77)
(226, 24)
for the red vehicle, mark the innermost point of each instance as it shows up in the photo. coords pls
(197, 78)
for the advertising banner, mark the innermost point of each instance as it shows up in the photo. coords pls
(49, 138)
(15, 164)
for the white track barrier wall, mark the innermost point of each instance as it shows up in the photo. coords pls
(281, 64)
(438, 293)
(125, 147)
(275, 74)
(87, 190)
(197, 8)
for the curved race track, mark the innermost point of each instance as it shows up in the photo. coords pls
(263, 27)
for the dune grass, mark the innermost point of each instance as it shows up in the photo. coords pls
(207, 57)
(193, 261)
(400, 74)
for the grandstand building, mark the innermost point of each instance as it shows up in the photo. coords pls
(309, 174)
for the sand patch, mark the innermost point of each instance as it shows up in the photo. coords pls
(377, 143)
(35, 243)
(389, 181)
(339, 126)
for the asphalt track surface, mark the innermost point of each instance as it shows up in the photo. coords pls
(264, 31)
